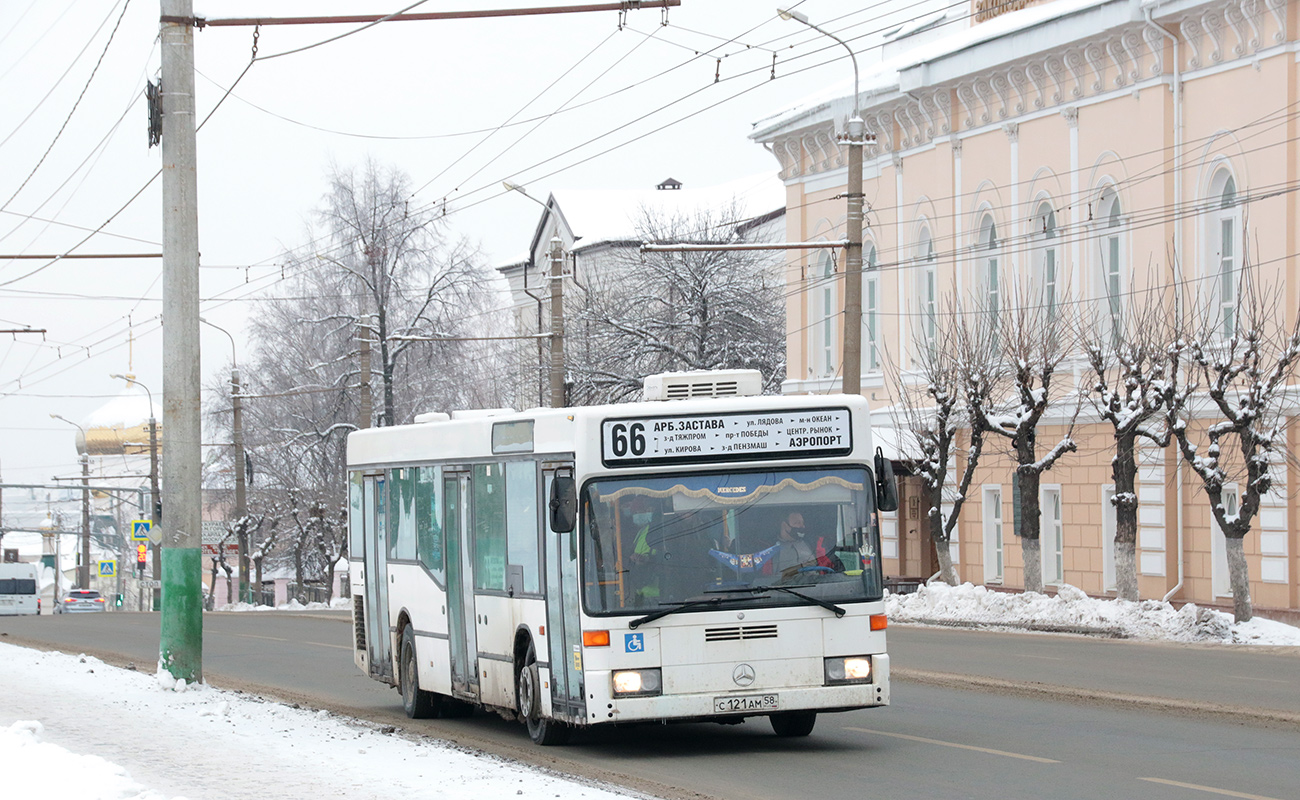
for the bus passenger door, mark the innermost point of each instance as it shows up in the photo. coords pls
(460, 587)
(375, 533)
(565, 633)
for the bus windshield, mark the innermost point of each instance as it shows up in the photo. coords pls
(655, 542)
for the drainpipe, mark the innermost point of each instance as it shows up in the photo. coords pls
(1177, 88)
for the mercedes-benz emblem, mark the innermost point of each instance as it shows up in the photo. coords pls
(743, 675)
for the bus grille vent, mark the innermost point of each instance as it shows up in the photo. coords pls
(739, 632)
(685, 391)
(359, 620)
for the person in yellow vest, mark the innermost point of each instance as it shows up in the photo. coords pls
(643, 578)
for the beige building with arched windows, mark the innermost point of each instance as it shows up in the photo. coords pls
(1073, 152)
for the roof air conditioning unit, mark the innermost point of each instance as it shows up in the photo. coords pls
(704, 383)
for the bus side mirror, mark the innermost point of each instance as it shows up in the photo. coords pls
(886, 487)
(564, 504)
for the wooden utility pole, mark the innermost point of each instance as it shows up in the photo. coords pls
(363, 337)
(557, 323)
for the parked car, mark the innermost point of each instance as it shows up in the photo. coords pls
(78, 601)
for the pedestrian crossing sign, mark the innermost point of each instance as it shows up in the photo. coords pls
(107, 569)
(140, 530)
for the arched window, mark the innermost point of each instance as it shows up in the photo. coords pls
(987, 261)
(1224, 250)
(927, 290)
(871, 311)
(1046, 259)
(826, 344)
(1110, 224)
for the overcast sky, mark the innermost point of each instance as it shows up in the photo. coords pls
(550, 102)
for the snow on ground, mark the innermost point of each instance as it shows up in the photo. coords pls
(337, 604)
(1073, 611)
(74, 728)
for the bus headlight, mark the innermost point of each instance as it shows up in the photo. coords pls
(848, 669)
(639, 682)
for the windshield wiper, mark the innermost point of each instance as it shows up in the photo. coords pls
(826, 604)
(673, 608)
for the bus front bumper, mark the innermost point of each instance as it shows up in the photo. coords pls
(723, 706)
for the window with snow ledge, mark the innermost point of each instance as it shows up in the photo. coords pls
(1045, 280)
(926, 293)
(1111, 245)
(871, 309)
(989, 275)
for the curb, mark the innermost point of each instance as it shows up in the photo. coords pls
(1238, 714)
(1105, 632)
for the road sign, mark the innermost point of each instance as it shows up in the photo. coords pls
(150, 583)
(107, 569)
(141, 553)
(140, 530)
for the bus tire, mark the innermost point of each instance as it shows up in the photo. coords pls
(546, 732)
(417, 703)
(793, 723)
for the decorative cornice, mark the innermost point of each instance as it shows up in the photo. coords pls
(1117, 60)
(1012, 130)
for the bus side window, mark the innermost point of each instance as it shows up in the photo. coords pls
(401, 514)
(428, 520)
(521, 522)
(355, 525)
(489, 517)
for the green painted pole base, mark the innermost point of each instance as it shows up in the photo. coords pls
(180, 647)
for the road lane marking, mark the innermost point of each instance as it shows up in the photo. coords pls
(988, 750)
(1045, 658)
(292, 641)
(1265, 680)
(1209, 789)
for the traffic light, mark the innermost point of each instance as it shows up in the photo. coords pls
(117, 600)
(141, 554)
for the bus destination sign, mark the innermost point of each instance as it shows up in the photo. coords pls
(801, 433)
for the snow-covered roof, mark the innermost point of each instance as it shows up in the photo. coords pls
(884, 77)
(609, 215)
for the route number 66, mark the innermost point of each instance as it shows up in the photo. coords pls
(627, 437)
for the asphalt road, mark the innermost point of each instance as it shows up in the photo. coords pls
(934, 741)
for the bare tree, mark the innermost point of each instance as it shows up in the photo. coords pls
(399, 267)
(934, 418)
(660, 312)
(1243, 360)
(1033, 342)
(1130, 384)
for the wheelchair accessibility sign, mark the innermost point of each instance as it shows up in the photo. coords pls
(634, 642)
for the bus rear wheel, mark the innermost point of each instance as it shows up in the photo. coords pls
(545, 732)
(417, 703)
(793, 723)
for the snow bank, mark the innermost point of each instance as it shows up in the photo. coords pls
(29, 766)
(90, 731)
(1072, 611)
(337, 604)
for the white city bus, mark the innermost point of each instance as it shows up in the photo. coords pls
(625, 563)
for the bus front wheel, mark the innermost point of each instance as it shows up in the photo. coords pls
(417, 703)
(528, 696)
(793, 723)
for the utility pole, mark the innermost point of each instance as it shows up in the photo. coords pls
(241, 500)
(557, 323)
(84, 576)
(181, 639)
(363, 337)
(855, 137)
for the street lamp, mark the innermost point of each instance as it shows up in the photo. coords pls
(237, 436)
(855, 136)
(155, 515)
(557, 305)
(83, 574)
